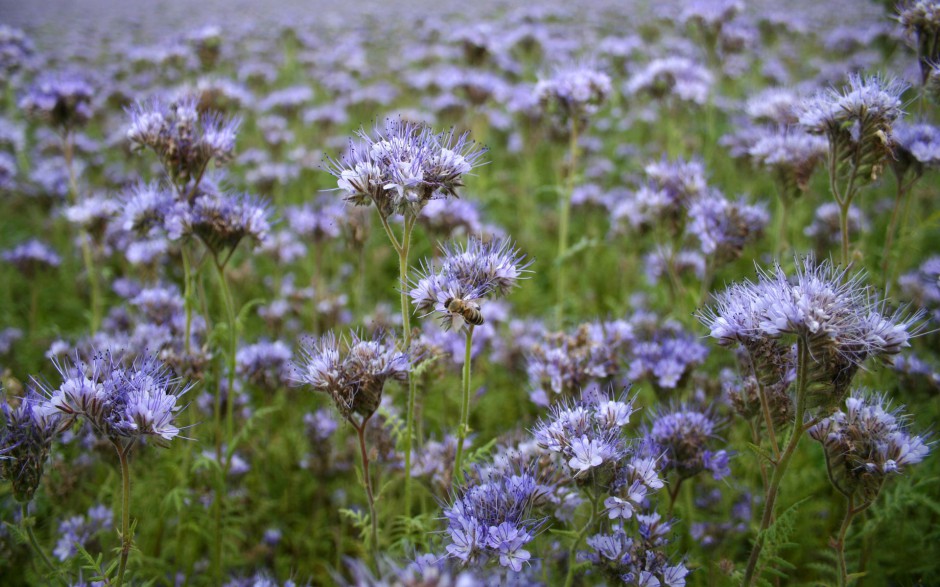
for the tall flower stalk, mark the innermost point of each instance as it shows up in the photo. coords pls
(570, 96)
(468, 275)
(865, 445)
(123, 402)
(858, 123)
(64, 102)
(400, 168)
(353, 372)
(837, 324)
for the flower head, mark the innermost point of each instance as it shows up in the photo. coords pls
(403, 166)
(26, 437)
(184, 139)
(468, 275)
(351, 371)
(63, 100)
(119, 397)
(866, 443)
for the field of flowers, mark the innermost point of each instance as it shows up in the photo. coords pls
(545, 294)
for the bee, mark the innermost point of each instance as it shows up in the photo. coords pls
(463, 310)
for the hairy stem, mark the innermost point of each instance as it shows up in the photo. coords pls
(367, 484)
(87, 257)
(403, 250)
(781, 466)
(187, 299)
(564, 213)
(463, 429)
(126, 539)
(573, 550)
(24, 515)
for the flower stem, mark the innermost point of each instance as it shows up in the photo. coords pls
(87, 257)
(24, 514)
(187, 298)
(564, 209)
(229, 428)
(903, 188)
(573, 550)
(367, 484)
(781, 466)
(403, 249)
(126, 539)
(464, 427)
(851, 510)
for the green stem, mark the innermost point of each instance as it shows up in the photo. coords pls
(403, 249)
(464, 427)
(24, 515)
(893, 225)
(229, 413)
(187, 298)
(851, 510)
(367, 483)
(564, 213)
(126, 539)
(573, 550)
(87, 257)
(781, 466)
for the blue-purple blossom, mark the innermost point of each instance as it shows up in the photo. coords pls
(866, 443)
(492, 519)
(120, 398)
(403, 166)
(78, 531)
(683, 436)
(184, 139)
(666, 77)
(62, 100)
(26, 436)
(31, 256)
(587, 434)
(352, 371)
(575, 92)
(469, 274)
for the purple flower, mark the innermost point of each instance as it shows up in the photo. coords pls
(351, 371)
(683, 435)
(468, 274)
(120, 400)
(491, 518)
(31, 256)
(26, 436)
(63, 100)
(866, 443)
(184, 139)
(403, 166)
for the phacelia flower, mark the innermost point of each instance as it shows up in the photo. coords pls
(492, 519)
(62, 100)
(352, 371)
(467, 276)
(866, 443)
(683, 436)
(26, 436)
(404, 166)
(121, 399)
(184, 139)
